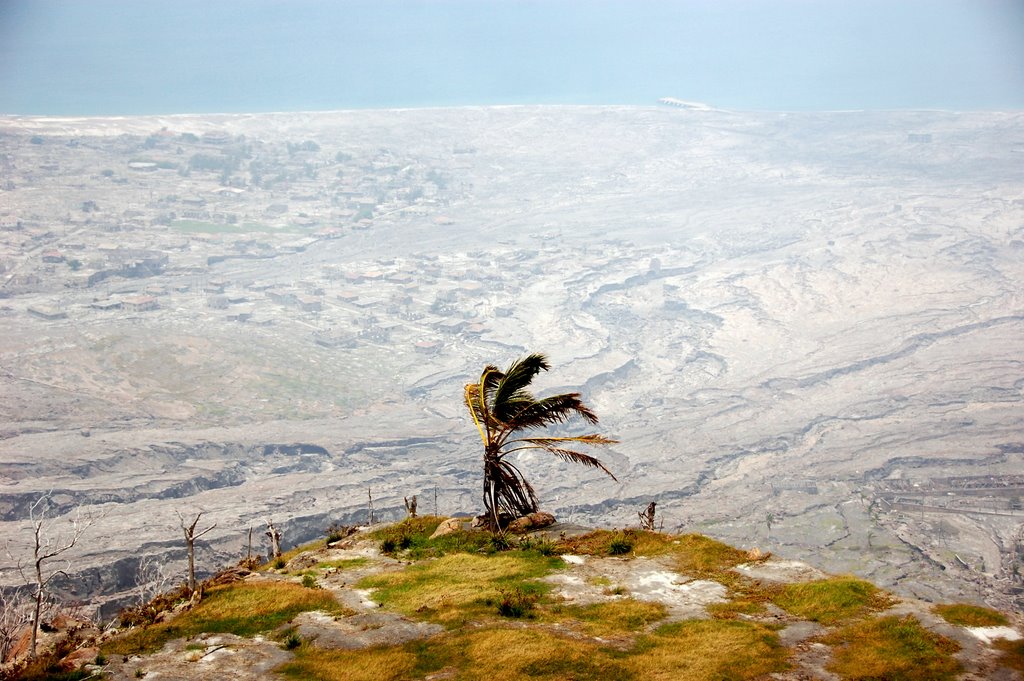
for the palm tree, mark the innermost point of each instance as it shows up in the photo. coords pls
(502, 408)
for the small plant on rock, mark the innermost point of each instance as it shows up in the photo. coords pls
(516, 603)
(620, 546)
(292, 641)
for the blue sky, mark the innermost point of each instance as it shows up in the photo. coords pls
(131, 56)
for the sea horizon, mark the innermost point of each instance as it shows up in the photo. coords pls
(113, 57)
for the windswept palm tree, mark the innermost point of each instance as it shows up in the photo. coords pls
(503, 411)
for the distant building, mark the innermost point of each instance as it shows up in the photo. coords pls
(428, 347)
(139, 303)
(105, 305)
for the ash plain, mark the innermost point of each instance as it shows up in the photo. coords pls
(804, 328)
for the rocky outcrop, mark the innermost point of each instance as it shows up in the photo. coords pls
(533, 521)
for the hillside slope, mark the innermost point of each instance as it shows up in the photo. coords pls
(565, 603)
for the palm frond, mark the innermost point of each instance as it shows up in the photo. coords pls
(552, 445)
(490, 379)
(478, 397)
(549, 410)
(511, 391)
(471, 394)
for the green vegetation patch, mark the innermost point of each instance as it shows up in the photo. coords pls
(416, 529)
(616, 617)
(244, 609)
(456, 587)
(831, 600)
(965, 615)
(607, 543)
(892, 648)
(411, 538)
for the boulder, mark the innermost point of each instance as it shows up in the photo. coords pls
(78, 659)
(451, 525)
(533, 521)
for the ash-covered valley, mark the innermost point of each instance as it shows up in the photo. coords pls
(804, 329)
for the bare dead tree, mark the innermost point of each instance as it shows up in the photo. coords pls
(47, 544)
(369, 507)
(647, 517)
(435, 501)
(190, 543)
(14, 614)
(151, 580)
(274, 535)
(410, 506)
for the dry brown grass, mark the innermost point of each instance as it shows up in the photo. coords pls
(712, 650)
(601, 543)
(701, 556)
(965, 615)
(534, 654)
(622, 616)
(375, 664)
(892, 648)
(709, 650)
(1012, 653)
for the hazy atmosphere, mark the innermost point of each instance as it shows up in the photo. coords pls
(251, 253)
(104, 57)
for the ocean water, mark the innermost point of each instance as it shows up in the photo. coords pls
(107, 57)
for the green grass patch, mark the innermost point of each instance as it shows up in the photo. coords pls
(892, 648)
(411, 535)
(461, 586)
(244, 609)
(965, 615)
(616, 617)
(831, 600)
(410, 538)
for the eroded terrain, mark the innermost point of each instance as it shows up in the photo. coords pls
(805, 329)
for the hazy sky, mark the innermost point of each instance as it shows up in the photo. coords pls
(143, 56)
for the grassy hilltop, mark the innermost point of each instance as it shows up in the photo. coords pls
(392, 603)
